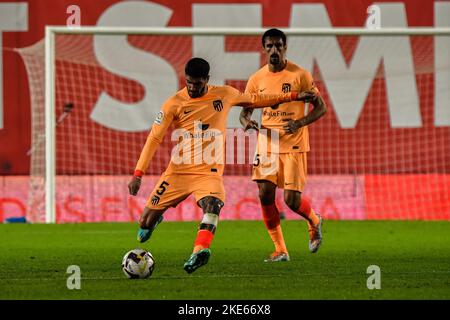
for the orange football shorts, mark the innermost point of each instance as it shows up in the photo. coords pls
(171, 189)
(286, 170)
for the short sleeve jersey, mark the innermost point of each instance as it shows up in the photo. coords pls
(200, 127)
(291, 78)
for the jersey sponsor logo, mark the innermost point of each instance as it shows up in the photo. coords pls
(187, 111)
(261, 90)
(278, 114)
(218, 106)
(159, 117)
(286, 87)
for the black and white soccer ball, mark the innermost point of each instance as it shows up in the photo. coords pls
(138, 264)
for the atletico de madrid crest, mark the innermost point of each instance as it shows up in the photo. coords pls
(286, 87)
(218, 106)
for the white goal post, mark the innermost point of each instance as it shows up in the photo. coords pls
(52, 31)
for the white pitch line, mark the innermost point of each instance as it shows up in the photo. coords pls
(79, 231)
(226, 276)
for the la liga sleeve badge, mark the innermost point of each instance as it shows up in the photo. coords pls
(159, 117)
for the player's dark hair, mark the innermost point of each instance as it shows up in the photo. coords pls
(276, 33)
(197, 68)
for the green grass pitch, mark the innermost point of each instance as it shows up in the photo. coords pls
(414, 258)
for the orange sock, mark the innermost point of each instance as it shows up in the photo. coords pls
(307, 212)
(271, 218)
(203, 240)
(278, 240)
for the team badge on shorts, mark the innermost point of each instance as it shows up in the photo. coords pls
(159, 117)
(286, 87)
(218, 106)
(155, 200)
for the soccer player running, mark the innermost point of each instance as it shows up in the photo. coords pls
(290, 122)
(199, 113)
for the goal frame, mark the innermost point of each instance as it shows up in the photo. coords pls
(52, 31)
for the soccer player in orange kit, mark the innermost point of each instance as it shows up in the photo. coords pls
(290, 121)
(199, 112)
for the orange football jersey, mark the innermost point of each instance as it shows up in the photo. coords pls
(291, 78)
(199, 127)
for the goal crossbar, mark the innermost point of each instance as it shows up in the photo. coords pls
(203, 31)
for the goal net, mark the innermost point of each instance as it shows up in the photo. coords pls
(381, 152)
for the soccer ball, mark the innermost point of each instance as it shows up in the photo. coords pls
(138, 264)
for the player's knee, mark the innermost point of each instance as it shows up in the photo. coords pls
(266, 195)
(292, 200)
(211, 205)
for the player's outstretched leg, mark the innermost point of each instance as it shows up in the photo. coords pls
(148, 223)
(200, 254)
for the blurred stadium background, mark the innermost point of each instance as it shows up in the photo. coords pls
(382, 151)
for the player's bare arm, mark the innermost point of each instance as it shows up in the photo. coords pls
(245, 118)
(319, 109)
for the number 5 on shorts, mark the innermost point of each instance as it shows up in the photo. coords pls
(256, 160)
(162, 188)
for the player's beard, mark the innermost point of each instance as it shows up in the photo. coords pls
(275, 59)
(194, 94)
(197, 93)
